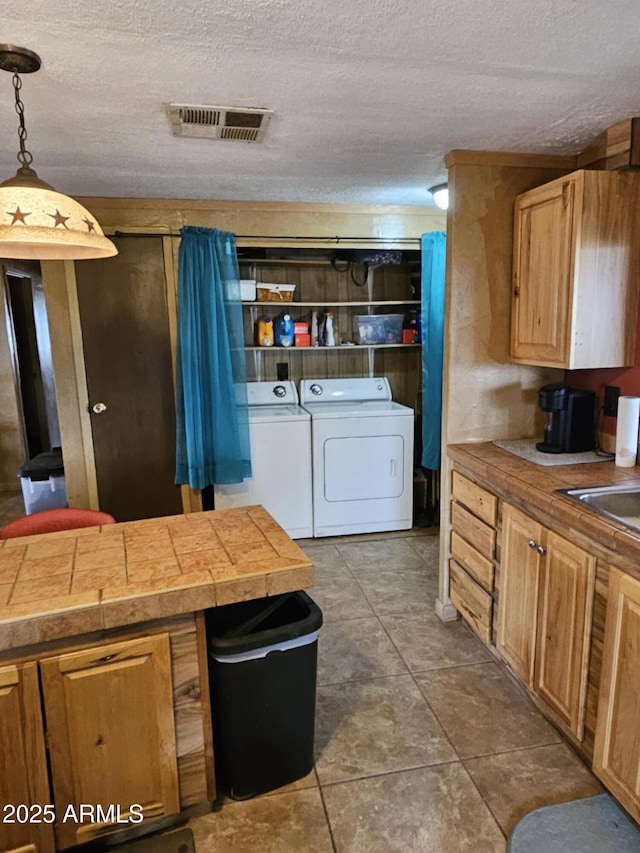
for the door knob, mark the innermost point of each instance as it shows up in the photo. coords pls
(98, 408)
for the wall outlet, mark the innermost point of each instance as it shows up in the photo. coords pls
(610, 405)
(282, 371)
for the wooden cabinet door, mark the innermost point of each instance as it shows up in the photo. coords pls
(616, 758)
(519, 581)
(111, 734)
(23, 777)
(564, 629)
(543, 269)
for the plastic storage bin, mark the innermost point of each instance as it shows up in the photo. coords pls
(263, 667)
(378, 328)
(42, 482)
(247, 290)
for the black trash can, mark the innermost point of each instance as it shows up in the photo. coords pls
(263, 666)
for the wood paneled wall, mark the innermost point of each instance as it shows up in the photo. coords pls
(485, 396)
(322, 283)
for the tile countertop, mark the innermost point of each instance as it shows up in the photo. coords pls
(533, 488)
(58, 585)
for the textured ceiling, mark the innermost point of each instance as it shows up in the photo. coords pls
(368, 95)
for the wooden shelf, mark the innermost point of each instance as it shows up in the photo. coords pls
(319, 262)
(346, 348)
(306, 262)
(337, 304)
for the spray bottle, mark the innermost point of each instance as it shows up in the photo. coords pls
(315, 341)
(329, 336)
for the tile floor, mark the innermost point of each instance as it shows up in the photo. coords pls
(422, 742)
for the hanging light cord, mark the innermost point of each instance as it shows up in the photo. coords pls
(25, 157)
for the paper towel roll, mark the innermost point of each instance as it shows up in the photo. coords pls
(627, 431)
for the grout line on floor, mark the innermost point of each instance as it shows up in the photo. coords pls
(326, 813)
(389, 773)
(484, 800)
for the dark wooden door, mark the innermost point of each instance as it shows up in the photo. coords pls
(125, 331)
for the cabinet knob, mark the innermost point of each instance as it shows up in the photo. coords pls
(531, 543)
(540, 550)
(98, 408)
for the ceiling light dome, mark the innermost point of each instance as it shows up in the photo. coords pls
(440, 193)
(36, 222)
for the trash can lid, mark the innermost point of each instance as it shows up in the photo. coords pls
(250, 625)
(44, 465)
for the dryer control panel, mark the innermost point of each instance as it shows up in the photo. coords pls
(345, 390)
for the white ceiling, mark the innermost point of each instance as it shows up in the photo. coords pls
(368, 95)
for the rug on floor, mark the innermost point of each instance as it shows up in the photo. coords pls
(593, 825)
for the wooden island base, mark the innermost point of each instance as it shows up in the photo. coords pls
(105, 718)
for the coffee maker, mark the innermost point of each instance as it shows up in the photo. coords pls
(569, 419)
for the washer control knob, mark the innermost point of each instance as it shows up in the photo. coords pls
(280, 391)
(316, 389)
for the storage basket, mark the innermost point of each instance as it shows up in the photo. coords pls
(275, 292)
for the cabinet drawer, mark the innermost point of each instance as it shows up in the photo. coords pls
(481, 568)
(479, 534)
(474, 604)
(481, 502)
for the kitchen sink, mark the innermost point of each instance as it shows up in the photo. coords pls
(620, 502)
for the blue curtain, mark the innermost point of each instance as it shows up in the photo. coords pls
(433, 247)
(212, 430)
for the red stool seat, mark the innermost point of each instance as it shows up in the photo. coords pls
(54, 519)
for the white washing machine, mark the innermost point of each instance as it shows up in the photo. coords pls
(362, 450)
(280, 435)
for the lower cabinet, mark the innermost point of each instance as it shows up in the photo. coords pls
(474, 513)
(616, 757)
(101, 738)
(26, 822)
(111, 736)
(544, 614)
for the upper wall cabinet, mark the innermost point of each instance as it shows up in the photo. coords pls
(576, 272)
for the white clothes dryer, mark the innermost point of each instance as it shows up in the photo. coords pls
(362, 450)
(280, 436)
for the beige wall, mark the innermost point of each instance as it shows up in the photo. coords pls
(485, 397)
(253, 220)
(12, 449)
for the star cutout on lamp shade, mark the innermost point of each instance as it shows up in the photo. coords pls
(18, 215)
(89, 224)
(59, 218)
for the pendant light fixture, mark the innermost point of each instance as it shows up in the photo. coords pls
(440, 195)
(36, 222)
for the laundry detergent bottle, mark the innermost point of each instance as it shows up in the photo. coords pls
(284, 331)
(265, 332)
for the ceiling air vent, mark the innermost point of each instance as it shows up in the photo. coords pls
(205, 122)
